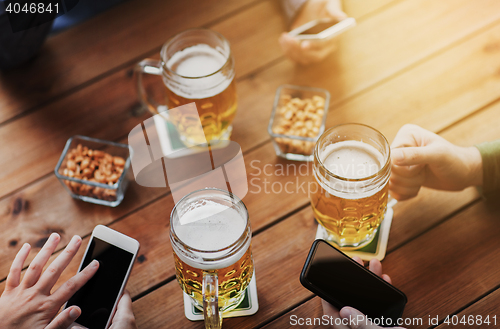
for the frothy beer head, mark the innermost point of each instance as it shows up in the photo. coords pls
(352, 159)
(198, 61)
(209, 226)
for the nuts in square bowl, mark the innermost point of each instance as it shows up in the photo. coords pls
(297, 120)
(94, 170)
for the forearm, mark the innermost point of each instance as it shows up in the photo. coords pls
(291, 8)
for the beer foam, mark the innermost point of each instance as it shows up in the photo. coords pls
(195, 62)
(352, 159)
(210, 226)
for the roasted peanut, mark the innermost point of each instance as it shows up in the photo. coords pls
(93, 166)
(298, 117)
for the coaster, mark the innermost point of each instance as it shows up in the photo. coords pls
(170, 141)
(248, 306)
(375, 249)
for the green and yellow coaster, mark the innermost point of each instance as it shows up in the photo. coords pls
(248, 306)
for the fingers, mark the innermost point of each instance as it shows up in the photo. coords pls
(124, 306)
(124, 314)
(35, 269)
(357, 320)
(387, 278)
(332, 312)
(53, 272)
(65, 318)
(71, 286)
(291, 47)
(376, 266)
(358, 260)
(14, 277)
(409, 135)
(408, 156)
(401, 193)
(306, 52)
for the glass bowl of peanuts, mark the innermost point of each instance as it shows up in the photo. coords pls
(297, 120)
(94, 170)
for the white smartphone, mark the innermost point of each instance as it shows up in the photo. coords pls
(99, 297)
(322, 29)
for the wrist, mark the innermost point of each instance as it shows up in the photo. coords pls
(474, 165)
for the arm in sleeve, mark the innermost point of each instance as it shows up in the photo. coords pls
(490, 153)
(292, 8)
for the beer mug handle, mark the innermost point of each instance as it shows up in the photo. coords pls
(149, 66)
(211, 313)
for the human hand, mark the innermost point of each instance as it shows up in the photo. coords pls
(307, 52)
(422, 158)
(28, 304)
(124, 316)
(347, 312)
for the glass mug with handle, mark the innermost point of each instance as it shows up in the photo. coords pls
(196, 66)
(210, 235)
(352, 166)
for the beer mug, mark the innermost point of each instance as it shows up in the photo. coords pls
(196, 66)
(210, 235)
(352, 166)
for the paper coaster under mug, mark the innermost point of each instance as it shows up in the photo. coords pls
(376, 248)
(248, 306)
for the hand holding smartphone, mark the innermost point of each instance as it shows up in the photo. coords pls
(99, 297)
(341, 281)
(322, 29)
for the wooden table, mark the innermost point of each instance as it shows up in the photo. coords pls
(432, 63)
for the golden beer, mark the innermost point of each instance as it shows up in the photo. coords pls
(211, 236)
(233, 280)
(196, 66)
(216, 114)
(352, 169)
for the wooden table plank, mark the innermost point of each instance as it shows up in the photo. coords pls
(486, 308)
(122, 35)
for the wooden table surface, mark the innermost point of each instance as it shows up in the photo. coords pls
(432, 63)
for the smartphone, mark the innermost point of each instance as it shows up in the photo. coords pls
(322, 29)
(98, 298)
(341, 281)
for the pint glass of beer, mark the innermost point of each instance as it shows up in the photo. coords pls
(352, 166)
(196, 66)
(210, 235)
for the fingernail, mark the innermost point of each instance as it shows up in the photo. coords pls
(398, 155)
(54, 236)
(346, 312)
(26, 245)
(74, 313)
(78, 239)
(94, 263)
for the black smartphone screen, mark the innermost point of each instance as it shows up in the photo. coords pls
(318, 28)
(342, 282)
(97, 297)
